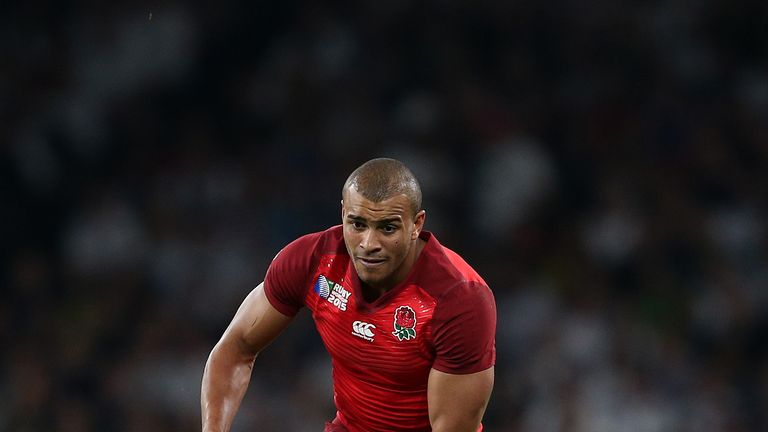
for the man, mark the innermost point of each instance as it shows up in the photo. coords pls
(409, 325)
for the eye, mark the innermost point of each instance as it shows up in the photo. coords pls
(389, 229)
(358, 225)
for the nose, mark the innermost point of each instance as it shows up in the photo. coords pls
(369, 241)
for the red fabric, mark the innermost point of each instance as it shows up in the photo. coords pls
(335, 426)
(464, 329)
(288, 275)
(381, 364)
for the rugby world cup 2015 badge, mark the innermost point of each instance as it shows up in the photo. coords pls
(333, 292)
(405, 323)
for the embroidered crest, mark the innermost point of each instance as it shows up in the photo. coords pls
(405, 323)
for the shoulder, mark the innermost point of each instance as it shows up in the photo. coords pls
(287, 275)
(467, 299)
(459, 291)
(463, 328)
(442, 271)
(463, 324)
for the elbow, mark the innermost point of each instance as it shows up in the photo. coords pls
(231, 352)
(455, 426)
(455, 422)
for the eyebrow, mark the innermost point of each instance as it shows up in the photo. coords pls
(379, 221)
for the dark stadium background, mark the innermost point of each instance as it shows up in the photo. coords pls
(604, 164)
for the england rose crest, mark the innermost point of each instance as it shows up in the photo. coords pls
(405, 323)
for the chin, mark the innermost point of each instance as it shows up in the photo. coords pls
(369, 279)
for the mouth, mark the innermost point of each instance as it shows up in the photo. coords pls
(371, 262)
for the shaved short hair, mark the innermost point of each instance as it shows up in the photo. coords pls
(383, 178)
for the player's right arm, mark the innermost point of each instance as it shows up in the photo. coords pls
(228, 369)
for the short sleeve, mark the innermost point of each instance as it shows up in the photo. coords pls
(286, 281)
(464, 329)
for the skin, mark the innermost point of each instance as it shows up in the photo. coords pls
(457, 402)
(383, 240)
(228, 369)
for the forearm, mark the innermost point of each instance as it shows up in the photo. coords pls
(225, 380)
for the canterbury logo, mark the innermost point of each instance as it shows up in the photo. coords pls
(363, 330)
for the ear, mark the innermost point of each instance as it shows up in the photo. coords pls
(418, 224)
(342, 211)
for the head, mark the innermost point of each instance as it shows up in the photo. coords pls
(382, 218)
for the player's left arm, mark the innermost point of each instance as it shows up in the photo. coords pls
(457, 402)
(461, 379)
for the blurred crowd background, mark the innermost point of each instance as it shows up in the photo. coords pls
(604, 164)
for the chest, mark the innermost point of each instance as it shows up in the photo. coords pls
(390, 340)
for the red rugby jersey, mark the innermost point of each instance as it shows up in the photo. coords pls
(442, 316)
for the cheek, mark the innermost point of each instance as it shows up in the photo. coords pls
(398, 247)
(349, 239)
